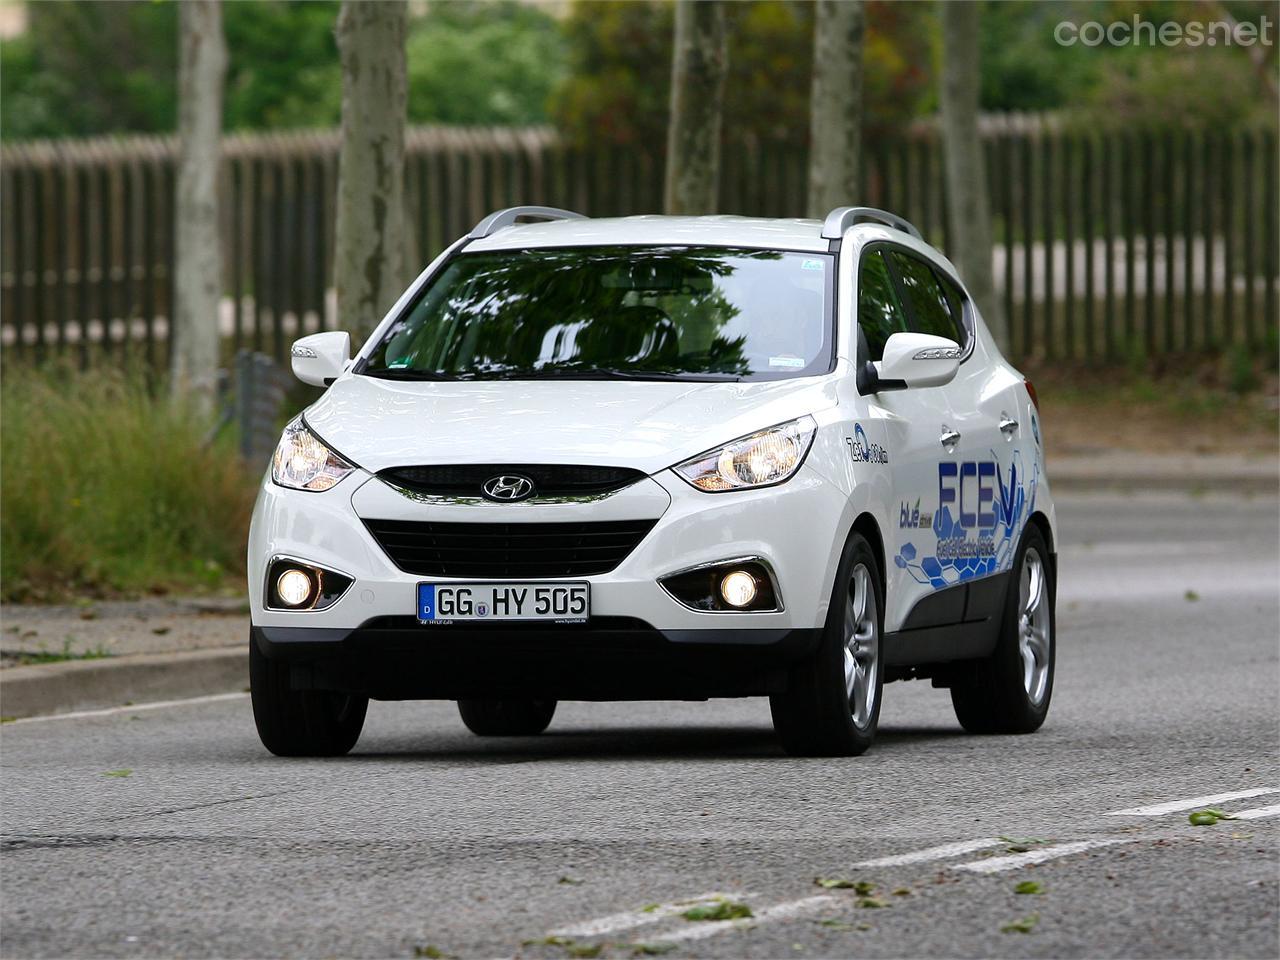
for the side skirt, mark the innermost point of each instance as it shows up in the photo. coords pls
(956, 623)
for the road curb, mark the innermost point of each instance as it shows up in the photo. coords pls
(1138, 473)
(137, 678)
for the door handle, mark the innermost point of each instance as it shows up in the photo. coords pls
(1007, 425)
(949, 437)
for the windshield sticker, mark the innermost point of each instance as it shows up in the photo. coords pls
(811, 265)
(400, 361)
(977, 523)
(786, 362)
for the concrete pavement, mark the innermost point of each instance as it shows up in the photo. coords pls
(428, 839)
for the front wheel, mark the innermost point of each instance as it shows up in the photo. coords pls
(1009, 691)
(506, 718)
(832, 704)
(301, 723)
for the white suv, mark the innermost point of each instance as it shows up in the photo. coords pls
(659, 458)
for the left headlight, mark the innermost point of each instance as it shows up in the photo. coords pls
(768, 457)
(303, 462)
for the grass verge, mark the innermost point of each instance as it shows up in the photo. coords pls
(109, 489)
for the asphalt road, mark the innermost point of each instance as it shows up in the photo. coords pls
(428, 839)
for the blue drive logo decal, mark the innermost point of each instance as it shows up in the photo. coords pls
(426, 601)
(979, 517)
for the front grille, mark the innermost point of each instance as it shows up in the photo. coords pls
(549, 479)
(507, 550)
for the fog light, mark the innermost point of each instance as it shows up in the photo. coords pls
(294, 587)
(738, 588)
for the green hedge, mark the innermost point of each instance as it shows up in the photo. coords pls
(109, 489)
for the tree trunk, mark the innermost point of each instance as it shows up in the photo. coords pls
(369, 233)
(968, 205)
(202, 65)
(835, 110)
(699, 62)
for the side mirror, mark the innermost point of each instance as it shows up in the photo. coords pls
(320, 358)
(918, 360)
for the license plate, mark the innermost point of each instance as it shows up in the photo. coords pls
(454, 602)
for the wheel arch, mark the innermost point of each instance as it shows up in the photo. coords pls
(866, 525)
(1042, 524)
(1041, 521)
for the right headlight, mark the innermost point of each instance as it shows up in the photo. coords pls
(303, 462)
(760, 460)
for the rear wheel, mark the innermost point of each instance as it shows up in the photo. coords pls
(506, 718)
(832, 703)
(301, 723)
(1009, 691)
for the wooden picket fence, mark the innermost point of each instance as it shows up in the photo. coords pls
(1107, 244)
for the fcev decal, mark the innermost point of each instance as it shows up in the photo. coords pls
(979, 518)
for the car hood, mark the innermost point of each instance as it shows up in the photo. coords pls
(644, 425)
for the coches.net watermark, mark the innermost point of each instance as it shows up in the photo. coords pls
(1138, 32)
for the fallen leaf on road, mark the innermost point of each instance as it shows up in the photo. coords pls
(1025, 925)
(871, 903)
(1207, 818)
(651, 949)
(570, 881)
(117, 773)
(547, 942)
(721, 910)
(1028, 886)
(432, 953)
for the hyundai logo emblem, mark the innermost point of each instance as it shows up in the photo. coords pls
(508, 488)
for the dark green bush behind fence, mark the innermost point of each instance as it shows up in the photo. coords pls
(1109, 244)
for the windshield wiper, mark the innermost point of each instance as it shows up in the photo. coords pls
(608, 373)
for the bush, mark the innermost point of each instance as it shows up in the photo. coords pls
(107, 489)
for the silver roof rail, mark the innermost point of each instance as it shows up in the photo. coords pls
(505, 218)
(842, 218)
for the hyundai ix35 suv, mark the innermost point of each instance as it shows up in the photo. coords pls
(659, 458)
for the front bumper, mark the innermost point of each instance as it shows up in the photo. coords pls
(611, 658)
(798, 528)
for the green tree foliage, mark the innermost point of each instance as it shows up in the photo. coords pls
(619, 68)
(1024, 68)
(491, 63)
(85, 67)
(283, 71)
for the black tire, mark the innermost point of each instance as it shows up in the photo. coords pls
(301, 723)
(992, 695)
(814, 718)
(506, 718)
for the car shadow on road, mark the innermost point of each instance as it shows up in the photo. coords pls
(724, 743)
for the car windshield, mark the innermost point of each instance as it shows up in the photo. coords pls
(645, 313)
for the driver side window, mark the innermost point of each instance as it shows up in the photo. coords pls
(880, 313)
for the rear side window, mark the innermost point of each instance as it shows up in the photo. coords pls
(880, 314)
(929, 309)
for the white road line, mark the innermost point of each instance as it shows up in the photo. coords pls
(1173, 806)
(701, 929)
(638, 918)
(134, 708)
(934, 853)
(1001, 864)
(1257, 813)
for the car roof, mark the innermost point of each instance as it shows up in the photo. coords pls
(711, 231)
